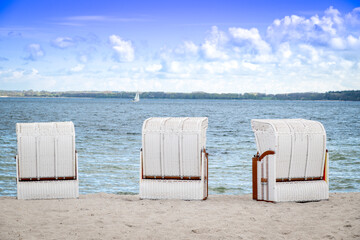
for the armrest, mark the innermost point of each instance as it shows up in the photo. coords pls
(269, 152)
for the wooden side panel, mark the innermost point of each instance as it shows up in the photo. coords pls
(254, 177)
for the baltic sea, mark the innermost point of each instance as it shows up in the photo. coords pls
(108, 138)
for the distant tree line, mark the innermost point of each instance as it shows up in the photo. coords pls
(353, 95)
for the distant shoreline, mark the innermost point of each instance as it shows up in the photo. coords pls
(220, 99)
(351, 95)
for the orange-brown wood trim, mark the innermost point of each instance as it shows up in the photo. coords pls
(207, 173)
(76, 156)
(46, 179)
(142, 166)
(324, 174)
(254, 176)
(269, 152)
(292, 179)
(172, 177)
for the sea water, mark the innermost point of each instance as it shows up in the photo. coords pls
(108, 138)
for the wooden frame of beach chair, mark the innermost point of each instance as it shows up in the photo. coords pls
(46, 161)
(292, 162)
(173, 159)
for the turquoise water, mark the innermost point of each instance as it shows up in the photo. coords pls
(108, 138)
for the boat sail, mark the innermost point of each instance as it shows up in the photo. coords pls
(136, 98)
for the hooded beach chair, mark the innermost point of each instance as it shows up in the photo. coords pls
(173, 159)
(292, 160)
(46, 161)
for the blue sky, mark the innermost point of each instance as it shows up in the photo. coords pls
(180, 46)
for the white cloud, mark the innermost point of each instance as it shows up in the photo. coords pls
(253, 36)
(327, 64)
(346, 64)
(312, 55)
(153, 67)
(338, 43)
(334, 14)
(190, 47)
(350, 42)
(331, 29)
(34, 52)
(187, 48)
(211, 51)
(86, 18)
(175, 67)
(18, 74)
(213, 45)
(284, 50)
(220, 67)
(353, 41)
(354, 16)
(78, 68)
(63, 42)
(34, 72)
(83, 58)
(250, 66)
(124, 49)
(312, 30)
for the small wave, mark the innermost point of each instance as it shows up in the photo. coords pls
(126, 193)
(219, 189)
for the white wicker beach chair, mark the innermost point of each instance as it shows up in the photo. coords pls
(292, 160)
(173, 160)
(46, 161)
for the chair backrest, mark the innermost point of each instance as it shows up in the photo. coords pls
(299, 145)
(172, 146)
(46, 150)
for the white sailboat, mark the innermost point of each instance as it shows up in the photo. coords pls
(136, 98)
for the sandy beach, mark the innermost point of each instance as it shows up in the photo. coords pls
(109, 216)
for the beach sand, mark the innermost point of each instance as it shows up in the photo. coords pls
(109, 216)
